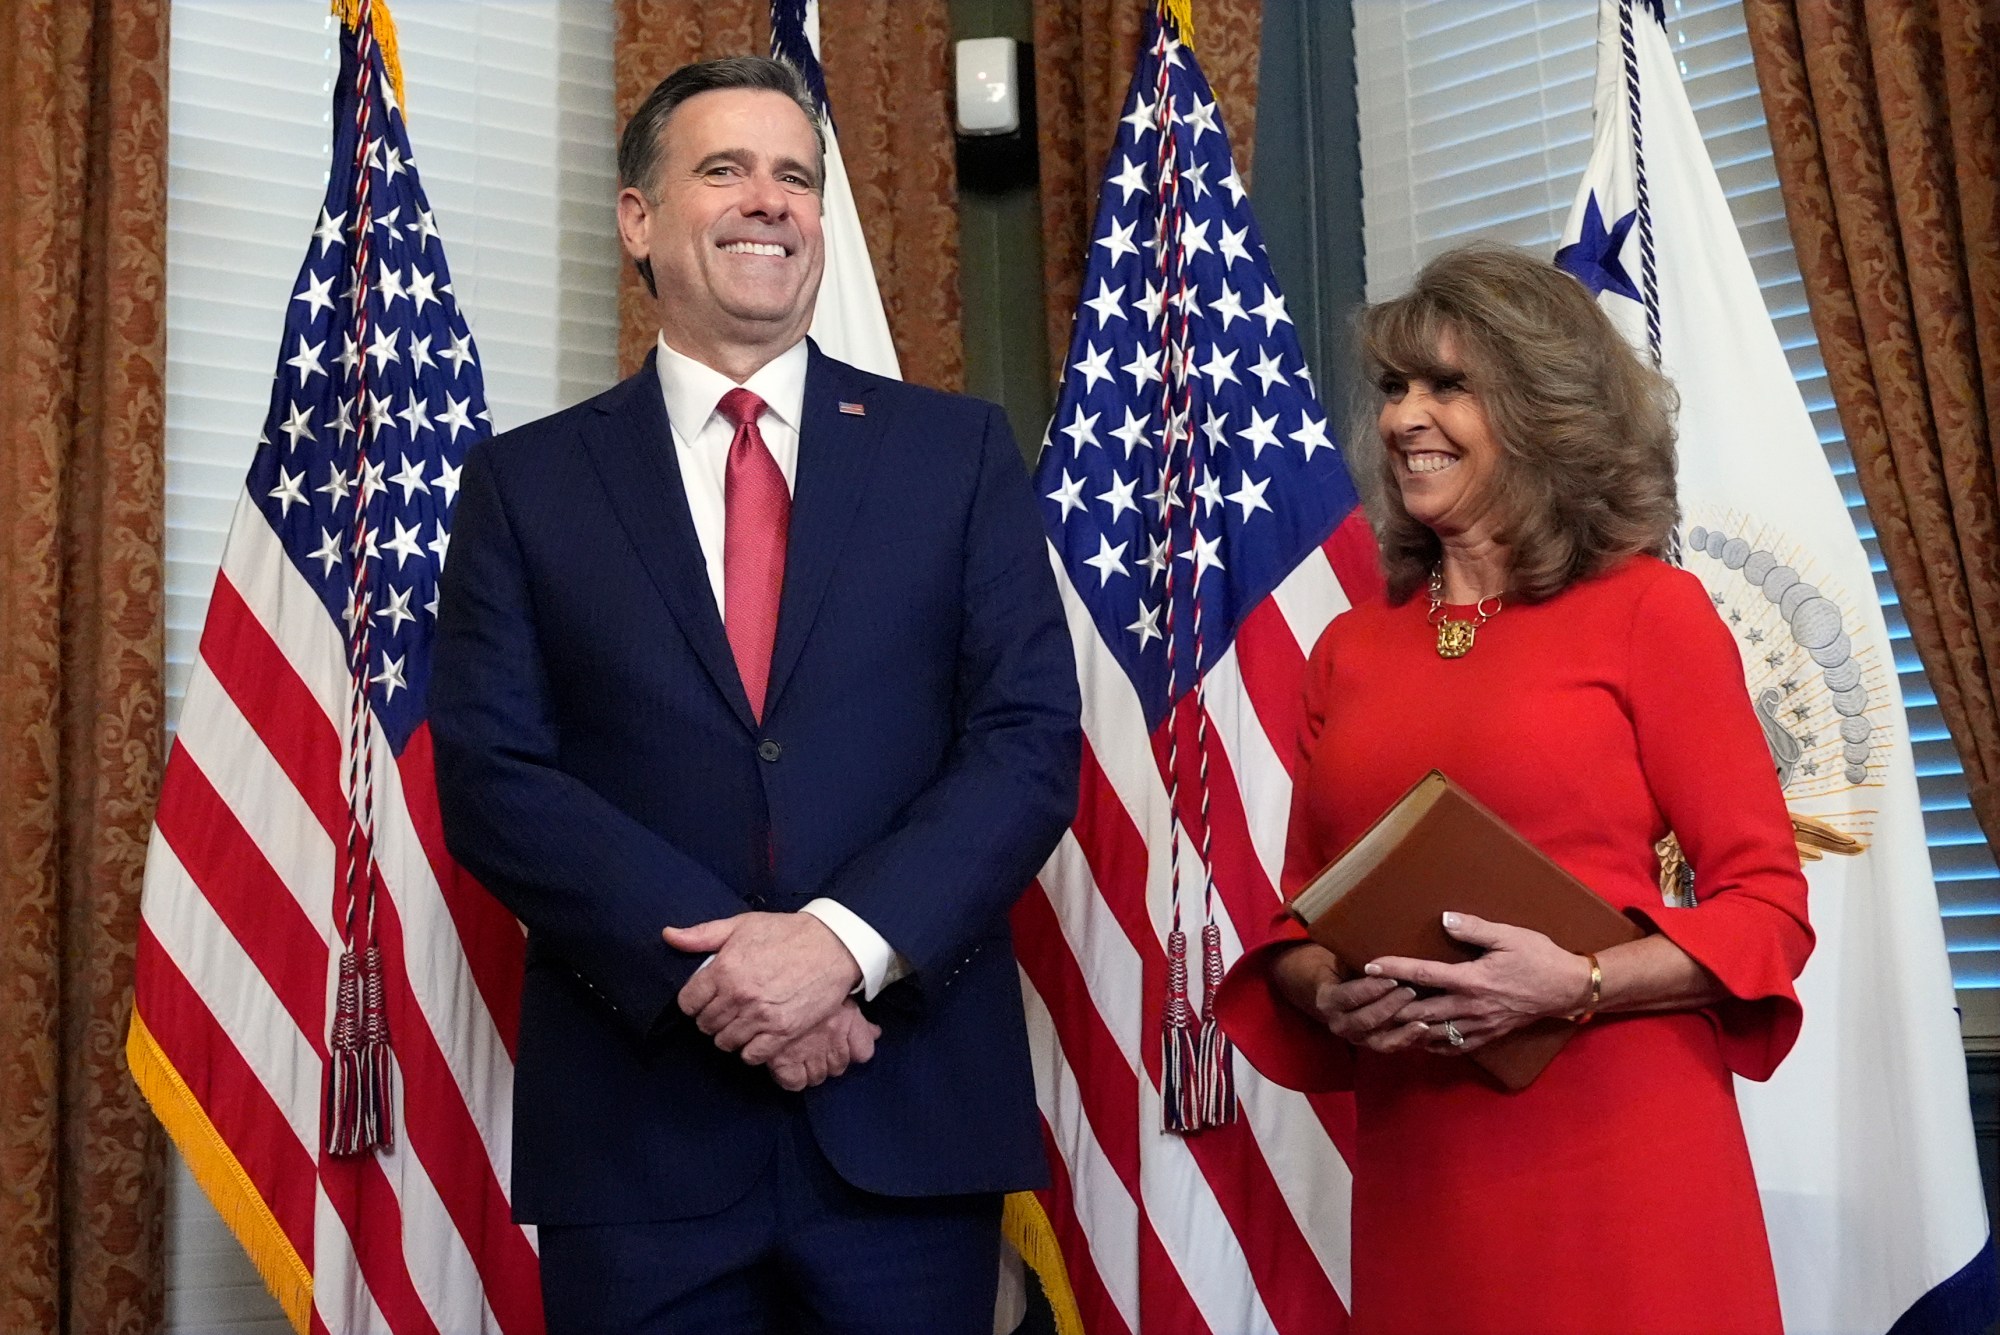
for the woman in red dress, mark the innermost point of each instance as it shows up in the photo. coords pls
(1535, 647)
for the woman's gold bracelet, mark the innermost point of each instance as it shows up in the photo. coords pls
(1596, 992)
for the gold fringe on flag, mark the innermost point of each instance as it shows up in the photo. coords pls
(220, 1176)
(349, 12)
(1182, 13)
(1026, 1227)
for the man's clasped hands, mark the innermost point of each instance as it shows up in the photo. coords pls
(778, 990)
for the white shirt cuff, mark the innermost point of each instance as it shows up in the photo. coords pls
(879, 962)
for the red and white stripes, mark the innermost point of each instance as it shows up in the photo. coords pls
(238, 938)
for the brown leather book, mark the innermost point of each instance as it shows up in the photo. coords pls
(1436, 850)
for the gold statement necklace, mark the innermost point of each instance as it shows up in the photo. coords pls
(1455, 636)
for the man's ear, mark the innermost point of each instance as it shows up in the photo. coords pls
(635, 226)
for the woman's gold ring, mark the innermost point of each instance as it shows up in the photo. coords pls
(1452, 1036)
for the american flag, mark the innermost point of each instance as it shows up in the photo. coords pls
(1204, 531)
(298, 817)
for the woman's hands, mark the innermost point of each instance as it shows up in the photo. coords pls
(1365, 1012)
(1522, 977)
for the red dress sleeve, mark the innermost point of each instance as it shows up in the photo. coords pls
(1705, 759)
(1277, 1038)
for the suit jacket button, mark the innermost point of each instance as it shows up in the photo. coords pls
(769, 751)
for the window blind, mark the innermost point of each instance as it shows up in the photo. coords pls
(511, 117)
(1475, 122)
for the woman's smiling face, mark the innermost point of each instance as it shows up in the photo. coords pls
(1445, 457)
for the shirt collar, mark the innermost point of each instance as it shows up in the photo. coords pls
(692, 389)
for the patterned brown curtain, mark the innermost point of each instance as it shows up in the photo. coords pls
(1085, 51)
(1885, 119)
(83, 121)
(888, 70)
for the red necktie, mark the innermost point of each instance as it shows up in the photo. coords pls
(758, 508)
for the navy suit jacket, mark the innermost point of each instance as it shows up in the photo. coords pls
(601, 772)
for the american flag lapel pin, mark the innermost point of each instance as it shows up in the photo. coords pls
(853, 409)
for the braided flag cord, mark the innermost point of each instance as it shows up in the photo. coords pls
(300, 908)
(1204, 530)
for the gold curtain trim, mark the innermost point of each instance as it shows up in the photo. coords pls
(1026, 1227)
(220, 1176)
(1182, 13)
(385, 37)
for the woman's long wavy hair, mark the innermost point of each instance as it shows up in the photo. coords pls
(1585, 427)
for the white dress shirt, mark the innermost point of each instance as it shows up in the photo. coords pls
(701, 447)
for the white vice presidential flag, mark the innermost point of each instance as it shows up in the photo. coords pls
(848, 324)
(1863, 1140)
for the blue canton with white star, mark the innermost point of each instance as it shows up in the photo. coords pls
(1268, 483)
(424, 404)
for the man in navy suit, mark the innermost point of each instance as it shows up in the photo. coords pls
(754, 702)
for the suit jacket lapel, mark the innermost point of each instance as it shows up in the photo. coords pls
(836, 450)
(631, 445)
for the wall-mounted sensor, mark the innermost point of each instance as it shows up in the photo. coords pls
(989, 89)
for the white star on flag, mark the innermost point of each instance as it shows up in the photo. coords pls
(1221, 368)
(397, 609)
(1119, 497)
(1271, 309)
(1109, 560)
(1082, 430)
(404, 543)
(455, 417)
(1144, 367)
(289, 490)
(306, 363)
(1259, 432)
(411, 478)
(297, 425)
(1092, 366)
(1311, 436)
(1250, 495)
(383, 347)
(390, 678)
(1107, 305)
(1119, 241)
(1132, 431)
(315, 295)
(1132, 180)
(459, 354)
(1070, 494)
(1267, 370)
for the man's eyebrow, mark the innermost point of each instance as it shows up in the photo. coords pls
(740, 157)
(744, 158)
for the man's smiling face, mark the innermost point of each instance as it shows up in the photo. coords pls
(733, 229)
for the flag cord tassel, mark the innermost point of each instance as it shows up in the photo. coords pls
(1214, 1053)
(1180, 1055)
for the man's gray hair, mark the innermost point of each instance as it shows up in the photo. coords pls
(639, 147)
